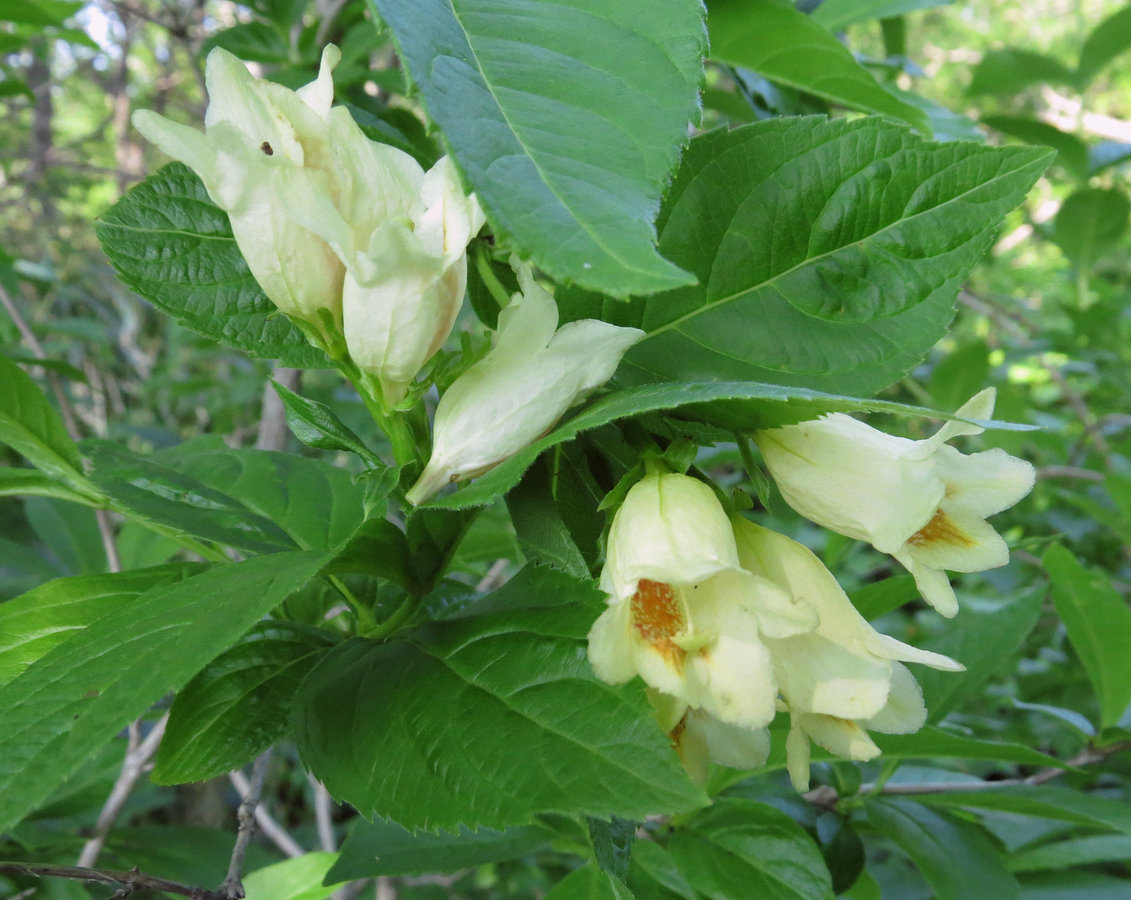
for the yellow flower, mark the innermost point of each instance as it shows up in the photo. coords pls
(921, 501)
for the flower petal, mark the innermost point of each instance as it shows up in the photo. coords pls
(980, 406)
(958, 542)
(729, 745)
(904, 712)
(610, 652)
(932, 583)
(981, 484)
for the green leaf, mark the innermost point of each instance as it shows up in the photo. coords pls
(1074, 885)
(1090, 222)
(30, 483)
(566, 119)
(787, 46)
(612, 841)
(542, 533)
(1071, 151)
(1079, 851)
(654, 875)
(879, 597)
(589, 883)
(738, 406)
(238, 705)
(1108, 40)
(843, 284)
(70, 534)
(1063, 804)
(299, 878)
(512, 722)
(87, 688)
(169, 242)
(34, 623)
(1098, 623)
(1010, 71)
(835, 14)
(986, 642)
(251, 42)
(38, 12)
(739, 848)
(951, 853)
(384, 848)
(933, 742)
(12, 87)
(316, 425)
(31, 427)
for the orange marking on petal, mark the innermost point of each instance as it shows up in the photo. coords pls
(657, 618)
(940, 530)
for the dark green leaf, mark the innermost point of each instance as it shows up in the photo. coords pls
(739, 848)
(589, 883)
(933, 742)
(38, 12)
(879, 597)
(1010, 71)
(1099, 626)
(842, 285)
(31, 427)
(171, 244)
(70, 533)
(316, 425)
(774, 39)
(512, 723)
(1108, 40)
(737, 405)
(612, 841)
(238, 705)
(1071, 151)
(1048, 802)
(35, 622)
(31, 483)
(11, 87)
(252, 42)
(87, 688)
(951, 853)
(1090, 222)
(1080, 851)
(384, 848)
(538, 523)
(566, 119)
(654, 875)
(985, 643)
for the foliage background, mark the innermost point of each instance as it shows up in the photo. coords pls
(1044, 318)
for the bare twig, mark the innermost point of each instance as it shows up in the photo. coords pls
(132, 880)
(138, 754)
(272, 830)
(273, 415)
(495, 576)
(1069, 472)
(233, 883)
(1076, 401)
(323, 815)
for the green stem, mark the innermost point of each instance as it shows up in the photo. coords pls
(391, 422)
(491, 280)
(365, 619)
(400, 615)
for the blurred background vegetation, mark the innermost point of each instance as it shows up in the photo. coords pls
(1046, 318)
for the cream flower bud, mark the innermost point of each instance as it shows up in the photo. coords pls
(257, 132)
(520, 389)
(921, 501)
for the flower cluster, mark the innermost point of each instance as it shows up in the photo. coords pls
(729, 623)
(353, 240)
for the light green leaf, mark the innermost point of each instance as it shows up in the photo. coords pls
(512, 722)
(171, 244)
(740, 848)
(316, 425)
(1108, 40)
(1010, 71)
(31, 427)
(299, 878)
(35, 622)
(1079, 851)
(834, 14)
(951, 853)
(932, 742)
(86, 689)
(1090, 222)
(787, 46)
(384, 848)
(238, 705)
(1063, 804)
(566, 119)
(1099, 626)
(985, 643)
(38, 12)
(737, 406)
(30, 483)
(1073, 885)
(1071, 151)
(841, 285)
(589, 883)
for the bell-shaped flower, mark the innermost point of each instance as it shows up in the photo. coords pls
(700, 739)
(683, 614)
(903, 713)
(519, 390)
(921, 501)
(844, 666)
(257, 132)
(402, 235)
